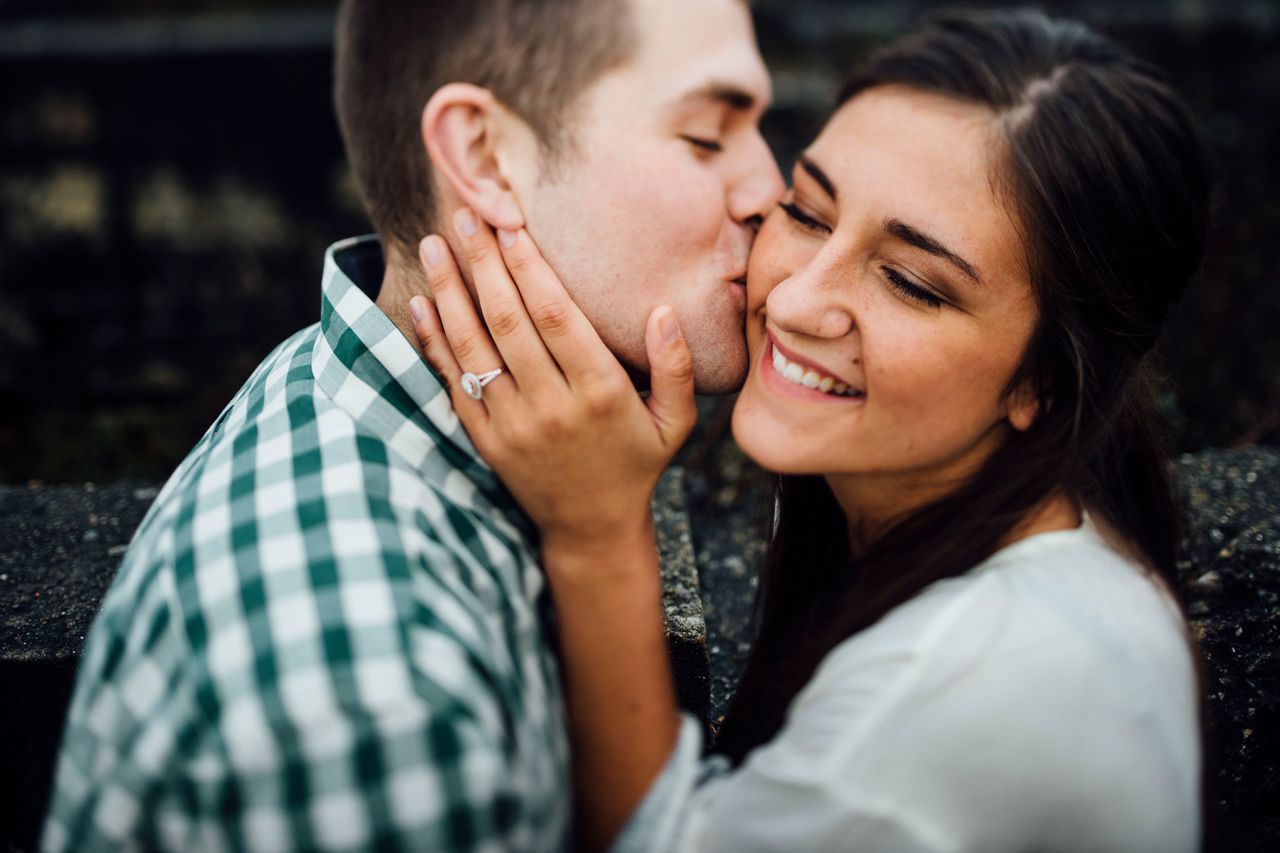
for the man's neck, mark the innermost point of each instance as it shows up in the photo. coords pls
(398, 287)
(400, 284)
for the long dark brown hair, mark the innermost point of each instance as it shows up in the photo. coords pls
(1107, 176)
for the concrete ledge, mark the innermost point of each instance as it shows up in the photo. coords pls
(59, 549)
(681, 595)
(60, 546)
(1231, 583)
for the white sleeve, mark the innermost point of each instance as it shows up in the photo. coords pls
(797, 792)
(658, 820)
(788, 795)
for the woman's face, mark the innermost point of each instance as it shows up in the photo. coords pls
(892, 277)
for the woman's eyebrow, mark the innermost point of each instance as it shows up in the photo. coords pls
(815, 172)
(896, 227)
(913, 237)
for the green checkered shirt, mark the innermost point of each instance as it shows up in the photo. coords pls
(330, 632)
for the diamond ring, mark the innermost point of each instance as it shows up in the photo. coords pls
(473, 385)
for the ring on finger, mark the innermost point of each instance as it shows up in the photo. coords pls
(473, 385)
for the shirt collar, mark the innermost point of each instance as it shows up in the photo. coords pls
(366, 366)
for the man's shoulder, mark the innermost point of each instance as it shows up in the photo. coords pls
(291, 496)
(282, 480)
(301, 574)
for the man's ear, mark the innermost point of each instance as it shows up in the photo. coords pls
(463, 129)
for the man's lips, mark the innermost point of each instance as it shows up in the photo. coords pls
(738, 287)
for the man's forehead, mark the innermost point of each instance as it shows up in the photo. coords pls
(701, 51)
(739, 95)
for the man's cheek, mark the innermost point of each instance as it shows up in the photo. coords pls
(674, 194)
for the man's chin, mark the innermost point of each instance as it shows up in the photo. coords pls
(715, 377)
(714, 374)
(718, 386)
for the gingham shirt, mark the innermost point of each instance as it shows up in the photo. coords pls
(330, 632)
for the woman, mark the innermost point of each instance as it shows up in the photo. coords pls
(967, 637)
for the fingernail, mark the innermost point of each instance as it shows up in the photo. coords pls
(466, 222)
(507, 238)
(668, 326)
(416, 308)
(430, 252)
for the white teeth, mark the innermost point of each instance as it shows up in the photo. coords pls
(793, 372)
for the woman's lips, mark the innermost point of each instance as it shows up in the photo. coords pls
(807, 364)
(803, 380)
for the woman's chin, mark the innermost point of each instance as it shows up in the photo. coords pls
(768, 445)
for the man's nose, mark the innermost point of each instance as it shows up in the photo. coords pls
(758, 185)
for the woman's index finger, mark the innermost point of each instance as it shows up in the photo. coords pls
(566, 331)
(466, 334)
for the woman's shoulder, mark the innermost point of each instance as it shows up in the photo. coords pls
(1060, 595)
(1057, 641)
(1081, 594)
(1052, 682)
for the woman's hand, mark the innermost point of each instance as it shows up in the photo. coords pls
(581, 452)
(562, 425)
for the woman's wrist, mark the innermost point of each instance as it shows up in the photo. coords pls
(603, 552)
(623, 716)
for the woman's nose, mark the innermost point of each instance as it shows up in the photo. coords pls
(801, 305)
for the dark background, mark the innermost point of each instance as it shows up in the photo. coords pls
(170, 175)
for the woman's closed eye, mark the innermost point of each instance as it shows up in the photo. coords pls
(803, 219)
(910, 290)
(904, 286)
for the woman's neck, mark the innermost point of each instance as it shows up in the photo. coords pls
(1056, 512)
(873, 502)
(867, 521)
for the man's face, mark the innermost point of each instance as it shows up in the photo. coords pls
(657, 202)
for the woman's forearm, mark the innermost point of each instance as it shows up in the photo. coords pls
(623, 718)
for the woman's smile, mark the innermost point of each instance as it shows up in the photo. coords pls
(791, 375)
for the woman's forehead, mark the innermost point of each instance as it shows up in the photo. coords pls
(897, 154)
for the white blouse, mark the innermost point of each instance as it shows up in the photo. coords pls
(1045, 700)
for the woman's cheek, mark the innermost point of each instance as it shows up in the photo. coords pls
(774, 259)
(911, 365)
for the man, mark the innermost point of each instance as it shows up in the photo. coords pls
(331, 630)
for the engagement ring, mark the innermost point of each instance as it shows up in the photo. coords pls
(473, 385)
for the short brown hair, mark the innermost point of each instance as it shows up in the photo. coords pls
(535, 56)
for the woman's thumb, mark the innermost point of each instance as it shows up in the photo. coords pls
(670, 377)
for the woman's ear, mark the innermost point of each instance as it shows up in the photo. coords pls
(463, 128)
(1024, 407)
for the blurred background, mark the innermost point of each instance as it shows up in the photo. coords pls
(170, 174)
